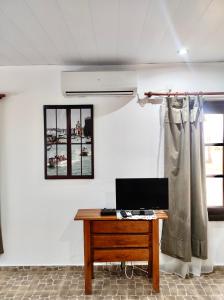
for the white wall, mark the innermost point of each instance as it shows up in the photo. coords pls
(37, 214)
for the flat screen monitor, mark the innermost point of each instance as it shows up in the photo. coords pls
(142, 193)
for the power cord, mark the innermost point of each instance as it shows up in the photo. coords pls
(132, 271)
(135, 267)
(125, 267)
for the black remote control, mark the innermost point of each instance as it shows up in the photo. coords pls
(108, 212)
(123, 214)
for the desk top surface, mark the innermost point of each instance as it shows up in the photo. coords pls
(94, 214)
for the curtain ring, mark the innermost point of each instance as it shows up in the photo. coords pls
(175, 96)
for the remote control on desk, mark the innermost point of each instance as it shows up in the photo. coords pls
(123, 214)
(108, 212)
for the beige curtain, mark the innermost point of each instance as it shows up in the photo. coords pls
(184, 234)
(1, 242)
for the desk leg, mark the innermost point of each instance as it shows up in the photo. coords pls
(149, 269)
(91, 266)
(155, 255)
(87, 258)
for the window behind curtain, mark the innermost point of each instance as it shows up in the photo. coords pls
(214, 157)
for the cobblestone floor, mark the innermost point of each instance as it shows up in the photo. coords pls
(110, 283)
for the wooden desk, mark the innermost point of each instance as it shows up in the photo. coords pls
(108, 239)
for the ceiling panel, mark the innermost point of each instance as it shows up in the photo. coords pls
(18, 40)
(105, 26)
(187, 18)
(49, 15)
(181, 24)
(22, 16)
(82, 32)
(79, 23)
(157, 26)
(208, 28)
(132, 15)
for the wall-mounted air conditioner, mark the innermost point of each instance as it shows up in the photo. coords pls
(118, 83)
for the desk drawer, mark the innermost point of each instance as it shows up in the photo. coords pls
(105, 255)
(121, 226)
(121, 240)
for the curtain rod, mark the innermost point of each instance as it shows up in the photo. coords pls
(150, 94)
(2, 96)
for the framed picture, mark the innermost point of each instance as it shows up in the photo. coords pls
(68, 136)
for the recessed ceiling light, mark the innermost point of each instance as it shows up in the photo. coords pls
(182, 51)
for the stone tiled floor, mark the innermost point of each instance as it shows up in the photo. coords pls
(109, 283)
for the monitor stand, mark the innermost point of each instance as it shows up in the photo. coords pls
(142, 212)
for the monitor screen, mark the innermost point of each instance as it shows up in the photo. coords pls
(142, 193)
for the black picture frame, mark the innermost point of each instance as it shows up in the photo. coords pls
(68, 142)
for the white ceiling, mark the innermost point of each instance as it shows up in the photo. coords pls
(83, 32)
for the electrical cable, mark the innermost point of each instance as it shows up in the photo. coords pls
(135, 267)
(125, 267)
(132, 271)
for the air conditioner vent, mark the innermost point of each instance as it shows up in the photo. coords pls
(115, 83)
